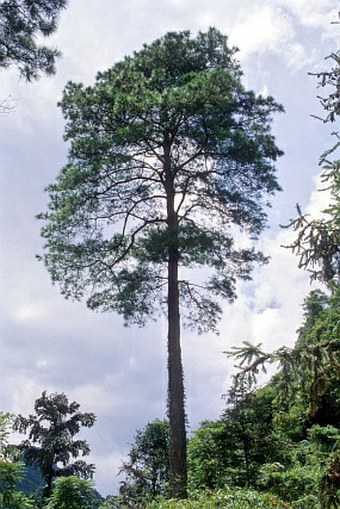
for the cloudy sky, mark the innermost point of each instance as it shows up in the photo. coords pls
(57, 345)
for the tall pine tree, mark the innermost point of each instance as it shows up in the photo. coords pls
(170, 158)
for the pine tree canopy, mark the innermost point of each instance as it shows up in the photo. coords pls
(167, 149)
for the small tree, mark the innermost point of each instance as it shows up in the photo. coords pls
(72, 493)
(169, 158)
(208, 452)
(147, 470)
(52, 428)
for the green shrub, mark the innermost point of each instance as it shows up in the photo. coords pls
(71, 493)
(223, 499)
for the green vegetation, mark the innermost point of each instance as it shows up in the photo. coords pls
(21, 23)
(223, 499)
(72, 493)
(147, 469)
(283, 438)
(277, 446)
(11, 470)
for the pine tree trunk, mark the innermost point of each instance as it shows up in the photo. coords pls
(176, 406)
(178, 467)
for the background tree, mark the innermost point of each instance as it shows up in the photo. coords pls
(309, 372)
(318, 240)
(21, 23)
(169, 158)
(330, 78)
(232, 450)
(147, 469)
(50, 444)
(305, 413)
(6, 420)
(207, 455)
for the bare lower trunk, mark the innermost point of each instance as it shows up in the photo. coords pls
(176, 411)
(178, 464)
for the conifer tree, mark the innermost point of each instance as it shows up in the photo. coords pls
(171, 163)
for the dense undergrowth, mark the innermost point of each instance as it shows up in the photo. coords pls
(223, 499)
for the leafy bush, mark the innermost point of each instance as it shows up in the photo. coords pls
(10, 498)
(71, 493)
(223, 499)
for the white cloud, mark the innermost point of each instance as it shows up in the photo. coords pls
(22, 392)
(312, 13)
(269, 29)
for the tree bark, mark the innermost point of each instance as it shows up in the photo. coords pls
(178, 467)
(176, 399)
